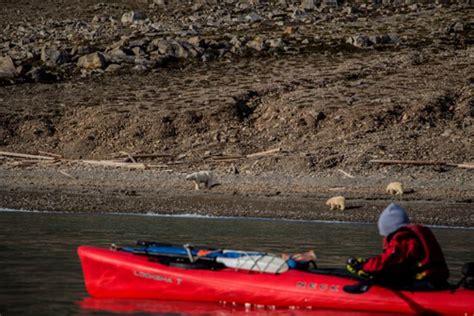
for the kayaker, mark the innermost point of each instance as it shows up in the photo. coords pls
(412, 257)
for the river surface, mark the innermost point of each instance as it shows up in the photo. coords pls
(40, 273)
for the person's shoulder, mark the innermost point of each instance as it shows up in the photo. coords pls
(405, 232)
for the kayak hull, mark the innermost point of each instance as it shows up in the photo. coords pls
(120, 275)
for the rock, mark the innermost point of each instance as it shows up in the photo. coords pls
(312, 119)
(349, 10)
(193, 51)
(458, 27)
(7, 68)
(195, 41)
(299, 14)
(390, 39)
(253, 17)
(308, 4)
(360, 41)
(447, 133)
(144, 62)
(257, 43)
(376, 39)
(235, 41)
(132, 17)
(275, 43)
(233, 169)
(164, 47)
(99, 19)
(140, 68)
(39, 75)
(119, 56)
(53, 57)
(290, 30)
(141, 42)
(138, 51)
(329, 3)
(364, 41)
(17, 54)
(172, 49)
(113, 68)
(95, 60)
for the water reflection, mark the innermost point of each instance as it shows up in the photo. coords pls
(198, 309)
(41, 273)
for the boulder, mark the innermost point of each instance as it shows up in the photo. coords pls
(386, 39)
(360, 41)
(53, 57)
(40, 75)
(308, 4)
(164, 47)
(113, 68)
(171, 49)
(7, 68)
(132, 17)
(95, 60)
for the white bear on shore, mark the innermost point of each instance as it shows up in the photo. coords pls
(337, 202)
(206, 177)
(394, 188)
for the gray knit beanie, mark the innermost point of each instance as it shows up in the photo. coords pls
(391, 219)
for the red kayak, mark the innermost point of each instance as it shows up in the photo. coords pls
(115, 274)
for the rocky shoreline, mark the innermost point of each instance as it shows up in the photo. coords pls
(325, 86)
(86, 189)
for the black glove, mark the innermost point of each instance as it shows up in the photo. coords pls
(354, 265)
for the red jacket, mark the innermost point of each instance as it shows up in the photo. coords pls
(411, 252)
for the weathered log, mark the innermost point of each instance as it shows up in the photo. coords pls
(67, 174)
(264, 153)
(408, 162)
(130, 157)
(25, 156)
(109, 163)
(224, 158)
(345, 173)
(466, 165)
(144, 156)
(45, 153)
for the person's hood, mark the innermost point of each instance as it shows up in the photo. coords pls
(391, 219)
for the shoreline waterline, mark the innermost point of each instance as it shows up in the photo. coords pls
(211, 217)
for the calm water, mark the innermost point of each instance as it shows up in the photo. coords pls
(40, 273)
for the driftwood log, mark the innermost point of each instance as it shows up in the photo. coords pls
(25, 156)
(264, 153)
(111, 163)
(465, 165)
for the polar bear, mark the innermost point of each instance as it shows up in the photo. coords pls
(206, 177)
(337, 202)
(394, 188)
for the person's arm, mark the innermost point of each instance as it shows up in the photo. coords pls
(396, 255)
